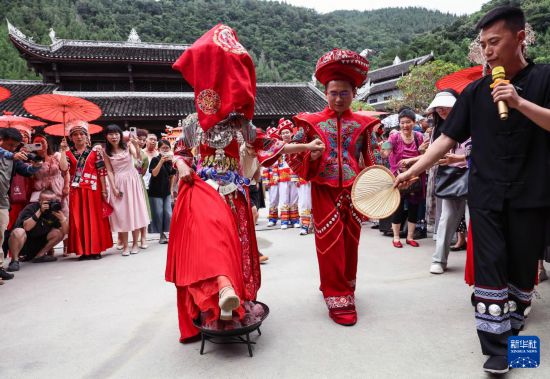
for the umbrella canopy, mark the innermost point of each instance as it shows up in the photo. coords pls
(8, 120)
(460, 79)
(392, 121)
(58, 130)
(4, 93)
(61, 108)
(370, 113)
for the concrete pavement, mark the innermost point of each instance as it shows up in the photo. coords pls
(116, 318)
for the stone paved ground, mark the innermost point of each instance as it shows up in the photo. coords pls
(116, 318)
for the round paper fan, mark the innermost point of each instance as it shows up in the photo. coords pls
(373, 194)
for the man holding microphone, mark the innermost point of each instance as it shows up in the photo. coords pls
(509, 189)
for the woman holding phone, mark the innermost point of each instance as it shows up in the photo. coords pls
(162, 175)
(127, 195)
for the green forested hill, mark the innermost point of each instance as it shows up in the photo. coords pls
(285, 40)
(451, 42)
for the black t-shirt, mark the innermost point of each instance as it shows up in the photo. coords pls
(159, 186)
(510, 160)
(46, 222)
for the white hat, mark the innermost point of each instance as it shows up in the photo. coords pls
(442, 99)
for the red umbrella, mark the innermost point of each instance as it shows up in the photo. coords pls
(460, 79)
(8, 120)
(55, 107)
(4, 93)
(59, 129)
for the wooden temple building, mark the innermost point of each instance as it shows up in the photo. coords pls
(133, 82)
(381, 86)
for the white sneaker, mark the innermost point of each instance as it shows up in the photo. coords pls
(437, 268)
(284, 226)
(297, 226)
(303, 232)
(270, 224)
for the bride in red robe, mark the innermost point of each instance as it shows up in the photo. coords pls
(89, 228)
(213, 257)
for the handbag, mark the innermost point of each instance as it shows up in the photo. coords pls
(19, 190)
(451, 182)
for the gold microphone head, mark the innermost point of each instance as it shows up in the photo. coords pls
(498, 73)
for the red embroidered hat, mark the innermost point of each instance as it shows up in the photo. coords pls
(340, 64)
(272, 132)
(285, 124)
(221, 72)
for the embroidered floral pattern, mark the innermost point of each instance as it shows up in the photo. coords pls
(225, 38)
(347, 130)
(208, 101)
(338, 302)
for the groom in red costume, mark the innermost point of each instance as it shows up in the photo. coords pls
(347, 137)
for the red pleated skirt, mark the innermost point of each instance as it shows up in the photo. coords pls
(89, 231)
(204, 244)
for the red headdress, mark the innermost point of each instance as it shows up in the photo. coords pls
(272, 132)
(340, 64)
(285, 125)
(222, 74)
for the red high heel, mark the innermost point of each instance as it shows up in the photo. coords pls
(397, 244)
(413, 243)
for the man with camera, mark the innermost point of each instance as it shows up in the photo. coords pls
(39, 227)
(11, 162)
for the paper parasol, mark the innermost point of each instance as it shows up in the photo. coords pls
(59, 129)
(8, 120)
(460, 79)
(373, 194)
(4, 93)
(61, 108)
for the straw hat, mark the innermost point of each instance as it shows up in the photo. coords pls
(373, 194)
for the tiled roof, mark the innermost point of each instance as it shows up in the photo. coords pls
(20, 90)
(383, 87)
(73, 50)
(272, 100)
(393, 71)
(288, 99)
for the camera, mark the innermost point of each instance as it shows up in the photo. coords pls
(55, 206)
(33, 157)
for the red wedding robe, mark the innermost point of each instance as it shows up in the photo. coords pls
(89, 230)
(213, 236)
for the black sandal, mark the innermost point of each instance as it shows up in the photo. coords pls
(44, 258)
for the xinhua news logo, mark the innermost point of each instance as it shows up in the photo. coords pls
(524, 351)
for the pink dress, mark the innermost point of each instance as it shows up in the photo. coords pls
(50, 177)
(130, 211)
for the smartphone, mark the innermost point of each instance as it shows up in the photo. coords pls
(33, 146)
(133, 131)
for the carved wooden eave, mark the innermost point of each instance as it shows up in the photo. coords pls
(130, 51)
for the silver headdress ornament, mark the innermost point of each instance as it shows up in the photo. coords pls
(475, 54)
(220, 135)
(190, 130)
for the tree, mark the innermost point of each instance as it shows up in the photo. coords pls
(418, 86)
(358, 105)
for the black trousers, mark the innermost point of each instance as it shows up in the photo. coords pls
(400, 213)
(507, 246)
